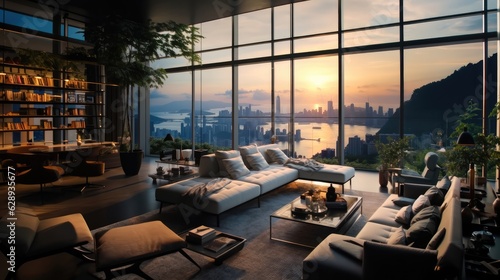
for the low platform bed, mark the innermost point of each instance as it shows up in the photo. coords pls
(230, 178)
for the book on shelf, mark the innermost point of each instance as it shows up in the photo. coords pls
(219, 243)
(200, 235)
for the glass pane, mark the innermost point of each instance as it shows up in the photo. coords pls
(253, 51)
(216, 56)
(216, 34)
(364, 13)
(254, 27)
(431, 8)
(282, 48)
(443, 28)
(170, 62)
(370, 37)
(282, 107)
(371, 97)
(318, 43)
(254, 102)
(170, 106)
(213, 111)
(282, 22)
(440, 74)
(316, 87)
(313, 17)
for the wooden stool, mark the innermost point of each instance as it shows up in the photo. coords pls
(131, 245)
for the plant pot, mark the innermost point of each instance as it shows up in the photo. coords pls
(131, 162)
(382, 178)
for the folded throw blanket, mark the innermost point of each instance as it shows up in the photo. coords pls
(303, 164)
(196, 194)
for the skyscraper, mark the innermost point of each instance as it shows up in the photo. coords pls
(278, 105)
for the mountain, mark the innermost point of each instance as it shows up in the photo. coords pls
(439, 104)
(185, 106)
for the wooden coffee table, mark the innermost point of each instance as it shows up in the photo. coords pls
(308, 230)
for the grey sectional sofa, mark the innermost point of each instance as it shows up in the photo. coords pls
(429, 248)
(253, 171)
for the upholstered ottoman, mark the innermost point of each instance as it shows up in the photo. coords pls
(133, 244)
(330, 173)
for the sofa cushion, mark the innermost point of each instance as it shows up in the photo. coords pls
(398, 237)
(444, 184)
(220, 155)
(421, 232)
(403, 201)
(235, 167)
(404, 215)
(277, 155)
(429, 212)
(257, 161)
(420, 203)
(348, 247)
(26, 227)
(435, 196)
(248, 150)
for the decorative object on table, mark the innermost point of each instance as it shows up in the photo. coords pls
(331, 195)
(466, 139)
(186, 154)
(160, 171)
(201, 235)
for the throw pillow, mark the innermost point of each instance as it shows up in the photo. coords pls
(404, 215)
(429, 212)
(421, 232)
(403, 201)
(444, 184)
(247, 150)
(277, 155)
(435, 196)
(436, 239)
(257, 161)
(420, 203)
(220, 155)
(235, 167)
(398, 237)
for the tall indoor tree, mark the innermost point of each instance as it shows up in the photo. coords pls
(126, 49)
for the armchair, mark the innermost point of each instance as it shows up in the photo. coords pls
(37, 238)
(429, 175)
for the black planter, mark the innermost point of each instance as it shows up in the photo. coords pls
(131, 162)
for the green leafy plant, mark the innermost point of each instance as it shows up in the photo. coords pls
(127, 49)
(393, 152)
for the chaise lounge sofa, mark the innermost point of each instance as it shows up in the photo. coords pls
(239, 176)
(396, 242)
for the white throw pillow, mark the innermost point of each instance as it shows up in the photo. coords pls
(398, 237)
(277, 155)
(404, 215)
(235, 167)
(420, 203)
(220, 155)
(248, 150)
(257, 161)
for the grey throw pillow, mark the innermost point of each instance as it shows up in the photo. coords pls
(277, 155)
(257, 161)
(435, 196)
(235, 167)
(421, 232)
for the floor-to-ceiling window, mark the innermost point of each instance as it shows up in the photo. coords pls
(282, 72)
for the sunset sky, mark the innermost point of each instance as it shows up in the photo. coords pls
(372, 77)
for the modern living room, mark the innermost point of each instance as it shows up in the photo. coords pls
(294, 75)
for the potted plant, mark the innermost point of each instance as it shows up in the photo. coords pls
(126, 49)
(391, 154)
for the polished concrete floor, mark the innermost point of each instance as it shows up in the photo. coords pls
(122, 197)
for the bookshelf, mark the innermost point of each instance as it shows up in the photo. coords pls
(36, 108)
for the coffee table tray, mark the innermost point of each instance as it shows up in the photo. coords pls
(223, 253)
